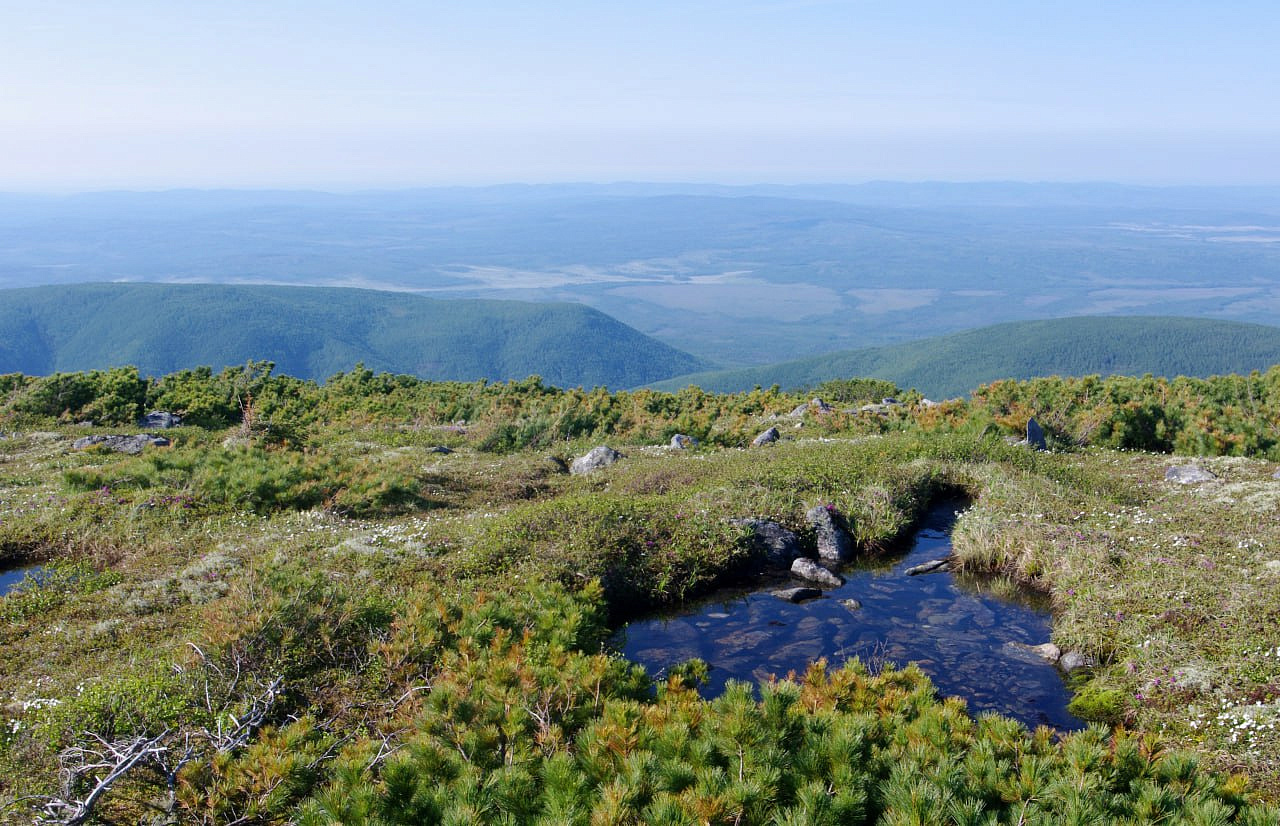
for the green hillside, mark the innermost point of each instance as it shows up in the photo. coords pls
(953, 365)
(315, 332)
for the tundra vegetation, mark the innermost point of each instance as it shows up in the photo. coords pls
(380, 600)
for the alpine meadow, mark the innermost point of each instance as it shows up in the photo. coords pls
(769, 413)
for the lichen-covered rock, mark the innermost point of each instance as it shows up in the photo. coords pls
(767, 437)
(779, 546)
(808, 569)
(834, 544)
(594, 459)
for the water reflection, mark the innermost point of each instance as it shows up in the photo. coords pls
(960, 632)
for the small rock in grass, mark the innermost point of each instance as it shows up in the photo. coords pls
(797, 594)
(767, 437)
(440, 449)
(812, 571)
(596, 458)
(682, 442)
(1188, 475)
(1272, 566)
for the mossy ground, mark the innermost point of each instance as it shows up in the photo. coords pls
(437, 619)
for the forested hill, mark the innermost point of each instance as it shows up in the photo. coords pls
(313, 332)
(955, 364)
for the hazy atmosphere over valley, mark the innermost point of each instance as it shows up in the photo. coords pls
(761, 412)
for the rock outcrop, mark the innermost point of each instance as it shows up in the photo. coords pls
(1188, 475)
(132, 445)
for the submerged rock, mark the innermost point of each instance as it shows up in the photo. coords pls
(1188, 475)
(797, 594)
(768, 437)
(834, 545)
(808, 569)
(929, 567)
(596, 458)
(1046, 651)
(779, 546)
(132, 445)
(851, 604)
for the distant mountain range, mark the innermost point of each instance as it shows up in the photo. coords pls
(739, 276)
(314, 332)
(955, 364)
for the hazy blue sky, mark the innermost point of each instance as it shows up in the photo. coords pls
(135, 93)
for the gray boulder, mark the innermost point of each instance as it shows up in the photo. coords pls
(834, 544)
(779, 546)
(808, 569)
(594, 459)
(1188, 475)
(767, 437)
(160, 420)
(1074, 661)
(1035, 435)
(132, 445)
(682, 442)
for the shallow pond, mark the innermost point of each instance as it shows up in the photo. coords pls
(955, 628)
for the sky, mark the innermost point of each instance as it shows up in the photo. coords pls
(340, 95)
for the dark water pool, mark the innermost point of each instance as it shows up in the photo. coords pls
(956, 629)
(11, 577)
